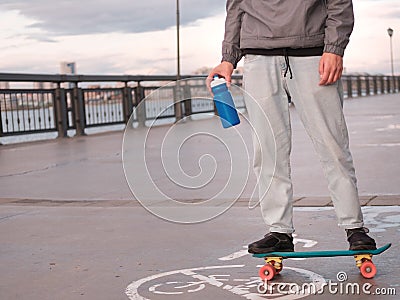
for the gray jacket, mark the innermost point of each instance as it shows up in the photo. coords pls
(269, 24)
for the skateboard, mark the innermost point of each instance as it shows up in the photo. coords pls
(273, 260)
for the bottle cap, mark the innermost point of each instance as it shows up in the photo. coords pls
(217, 81)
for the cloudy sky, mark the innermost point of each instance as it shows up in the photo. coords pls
(139, 37)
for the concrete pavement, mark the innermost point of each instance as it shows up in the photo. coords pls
(107, 253)
(70, 228)
(90, 168)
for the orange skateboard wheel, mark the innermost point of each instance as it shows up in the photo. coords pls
(368, 269)
(267, 272)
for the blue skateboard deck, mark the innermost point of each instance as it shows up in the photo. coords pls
(363, 259)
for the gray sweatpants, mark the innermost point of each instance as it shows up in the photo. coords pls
(320, 110)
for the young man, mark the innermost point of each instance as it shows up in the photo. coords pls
(294, 48)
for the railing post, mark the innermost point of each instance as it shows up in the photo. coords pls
(375, 85)
(388, 90)
(60, 112)
(140, 107)
(359, 90)
(127, 104)
(393, 84)
(1, 122)
(177, 100)
(367, 87)
(349, 87)
(1, 116)
(188, 100)
(382, 85)
(398, 84)
(79, 110)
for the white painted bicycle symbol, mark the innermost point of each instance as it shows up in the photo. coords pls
(196, 280)
(183, 287)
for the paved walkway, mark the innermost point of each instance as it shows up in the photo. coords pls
(90, 168)
(88, 253)
(71, 229)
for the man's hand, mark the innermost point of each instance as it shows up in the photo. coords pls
(224, 69)
(330, 68)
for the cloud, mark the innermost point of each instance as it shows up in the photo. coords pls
(76, 17)
(393, 13)
(385, 9)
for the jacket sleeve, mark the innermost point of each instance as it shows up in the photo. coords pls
(233, 22)
(339, 25)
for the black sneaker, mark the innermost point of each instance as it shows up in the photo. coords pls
(272, 242)
(359, 239)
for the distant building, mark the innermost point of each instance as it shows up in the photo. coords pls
(4, 85)
(202, 71)
(68, 68)
(44, 85)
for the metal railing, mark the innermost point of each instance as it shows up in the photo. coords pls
(27, 111)
(60, 109)
(368, 85)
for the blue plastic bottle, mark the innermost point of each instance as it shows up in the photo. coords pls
(224, 103)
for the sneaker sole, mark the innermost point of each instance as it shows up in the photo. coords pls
(267, 250)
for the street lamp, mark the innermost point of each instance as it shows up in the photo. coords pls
(177, 105)
(178, 55)
(390, 32)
